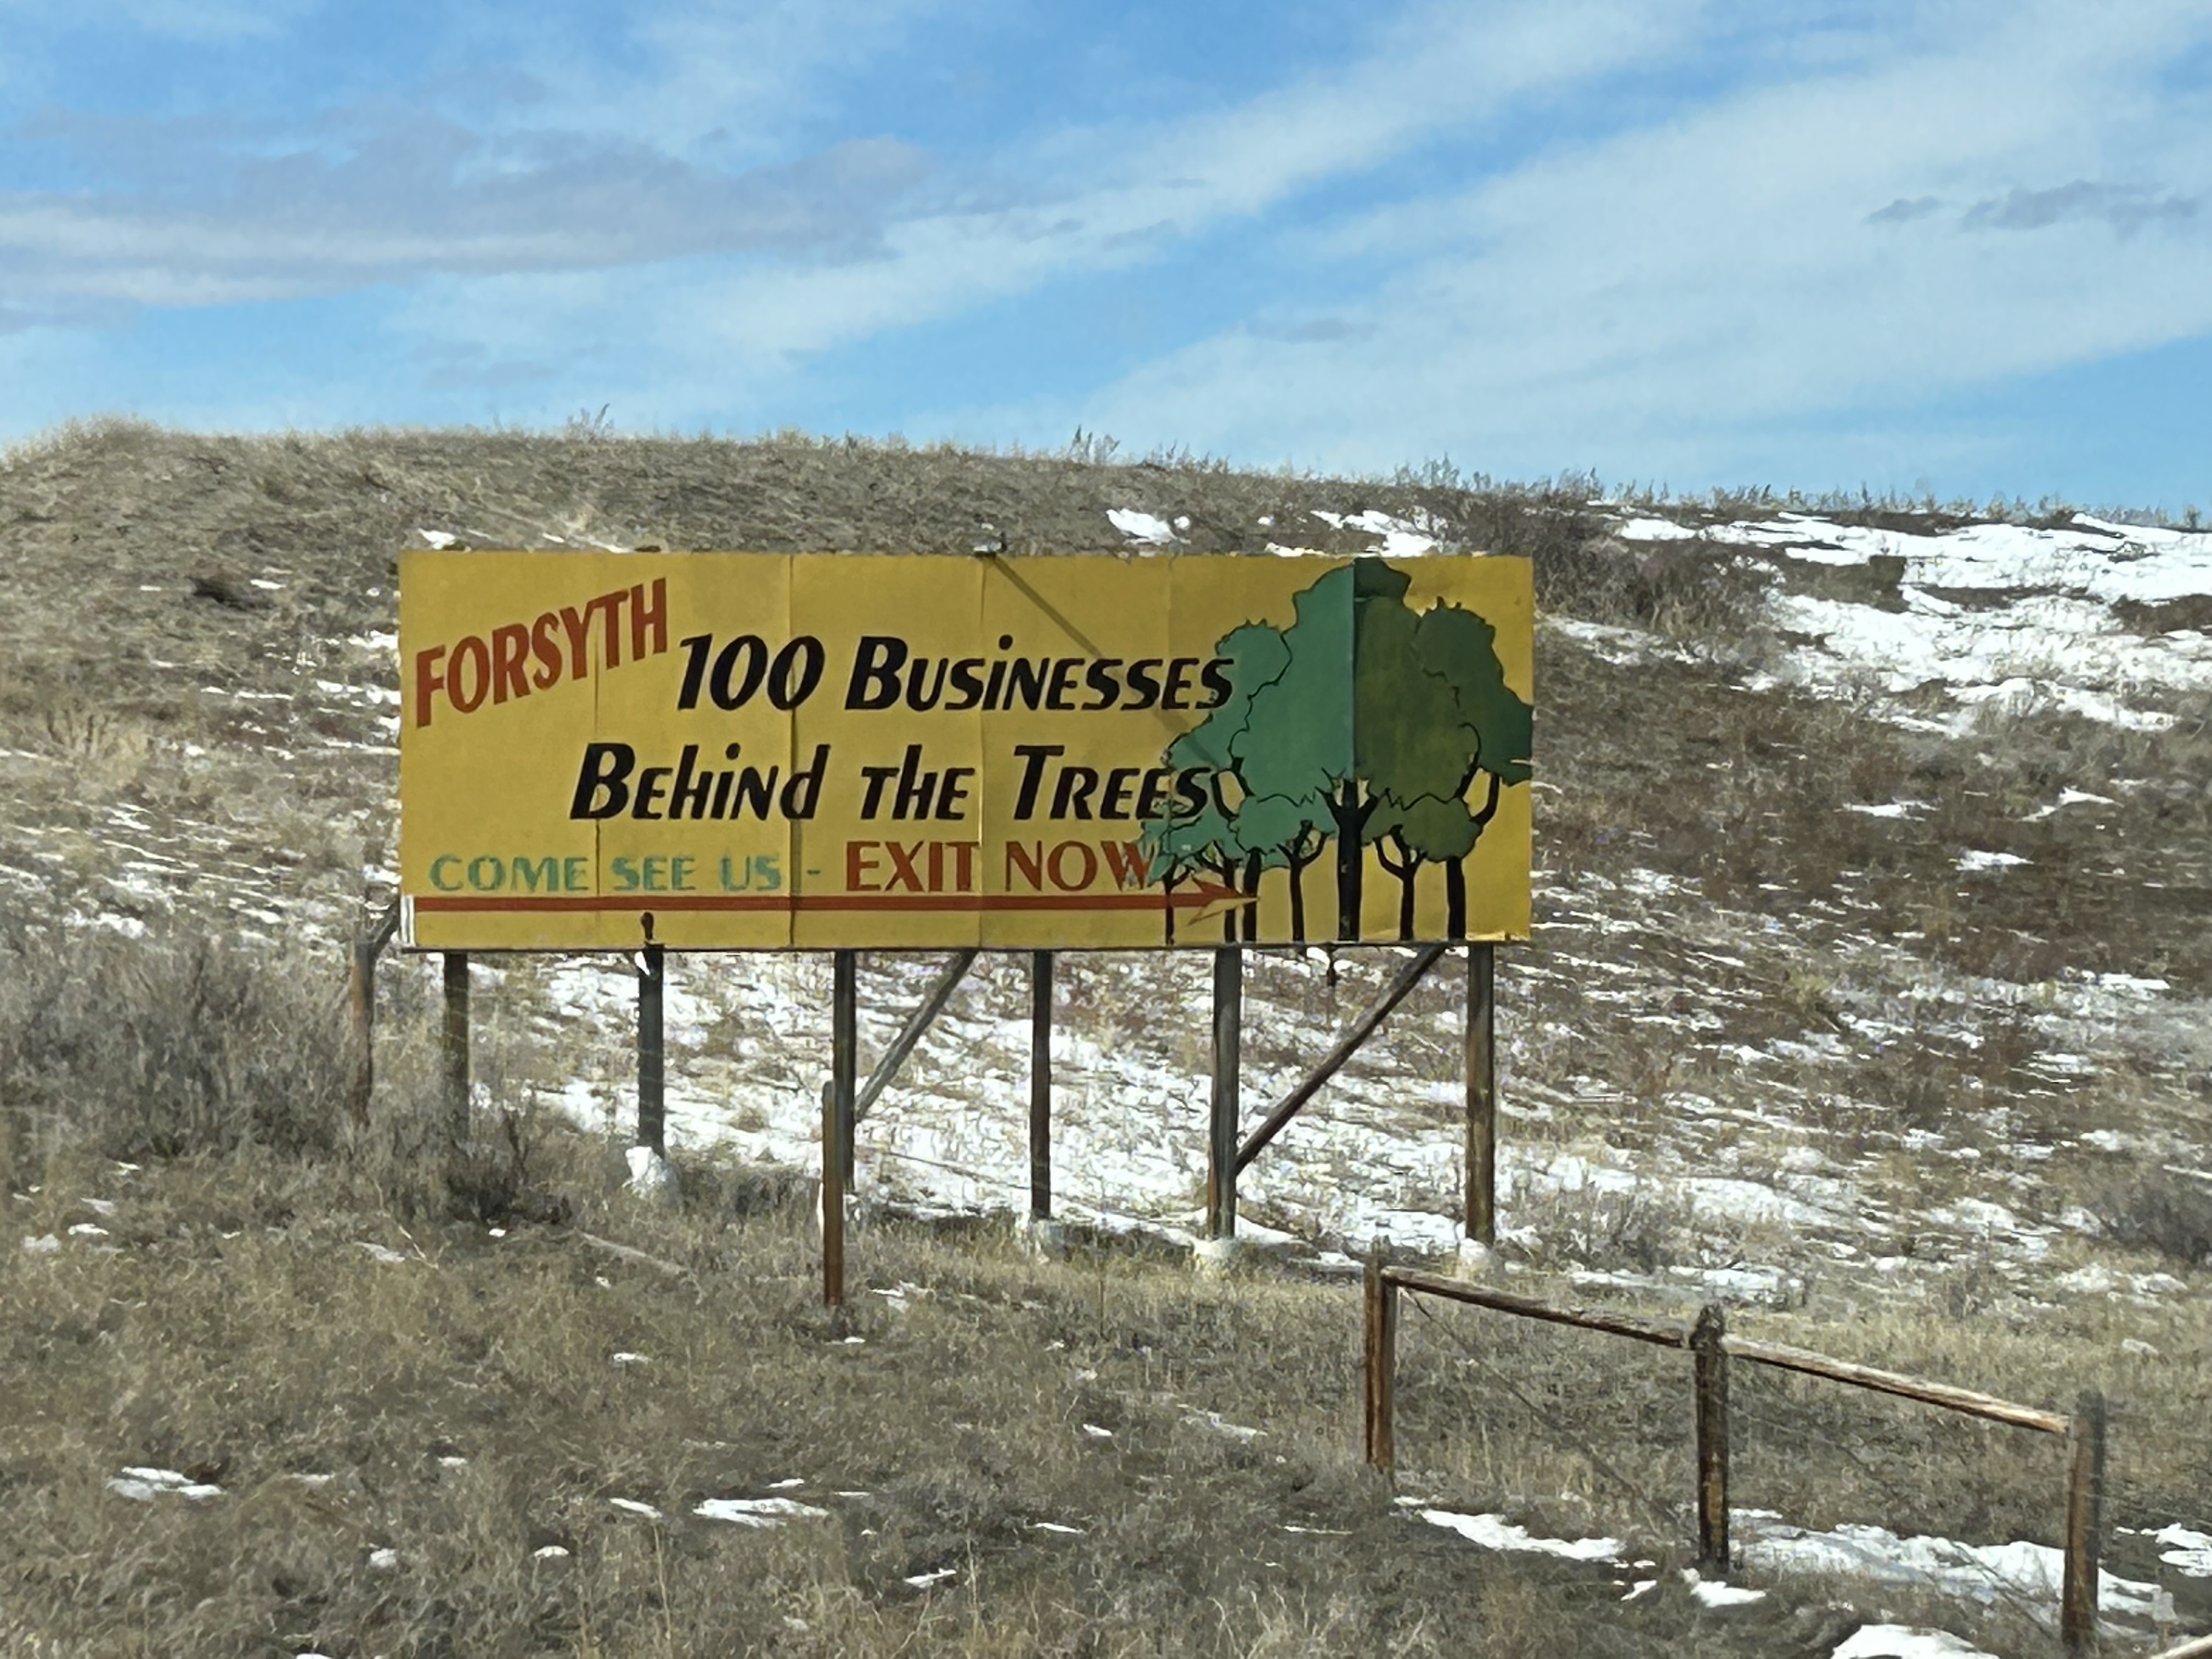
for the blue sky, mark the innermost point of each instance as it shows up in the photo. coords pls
(1960, 247)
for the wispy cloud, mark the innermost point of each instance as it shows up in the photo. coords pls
(391, 197)
(1648, 300)
(2126, 208)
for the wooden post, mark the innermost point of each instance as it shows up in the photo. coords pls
(1709, 1370)
(651, 1054)
(844, 1055)
(1481, 1096)
(2085, 1503)
(1379, 1364)
(456, 1050)
(1221, 1142)
(1041, 1085)
(833, 1202)
(361, 1007)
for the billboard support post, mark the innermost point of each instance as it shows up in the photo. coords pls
(1221, 1141)
(1040, 1086)
(652, 968)
(456, 1050)
(1481, 1218)
(833, 1208)
(844, 1055)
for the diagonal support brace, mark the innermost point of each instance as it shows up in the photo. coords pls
(918, 1021)
(1348, 1045)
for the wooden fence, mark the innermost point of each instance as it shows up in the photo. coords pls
(1712, 1350)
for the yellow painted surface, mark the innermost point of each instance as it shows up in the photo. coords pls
(773, 752)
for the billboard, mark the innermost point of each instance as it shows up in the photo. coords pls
(769, 751)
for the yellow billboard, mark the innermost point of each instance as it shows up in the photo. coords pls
(767, 751)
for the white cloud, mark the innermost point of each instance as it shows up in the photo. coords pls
(1089, 200)
(1689, 279)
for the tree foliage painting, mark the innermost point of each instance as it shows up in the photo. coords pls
(1365, 724)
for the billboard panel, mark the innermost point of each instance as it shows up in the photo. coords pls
(801, 751)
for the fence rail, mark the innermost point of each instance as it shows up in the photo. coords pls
(1712, 1350)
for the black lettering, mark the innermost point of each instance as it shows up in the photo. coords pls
(1215, 677)
(650, 784)
(1102, 679)
(756, 790)
(687, 796)
(1025, 680)
(1034, 756)
(954, 794)
(1178, 682)
(1191, 797)
(1114, 802)
(1148, 797)
(914, 699)
(798, 670)
(872, 799)
(876, 664)
(602, 785)
(754, 650)
(967, 685)
(695, 666)
(803, 792)
(1063, 682)
(1144, 683)
(1073, 792)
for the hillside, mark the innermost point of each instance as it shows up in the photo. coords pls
(1867, 995)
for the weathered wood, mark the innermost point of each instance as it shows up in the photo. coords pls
(833, 1202)
(1664, 1333)
(1221, 1141)
(2200, 1648)
(1481, 1205)
(1041, 1085)
(844, 1055)
(1709, 1373)
(1378, 1367)
(1907, 1387)
(917, 1023)
(360, 1007)
(361, 1011)
(1360, 1029)
(631, 1253)
(455, 1049)
(652, 1053)
(387, 925)
(2085, 1506)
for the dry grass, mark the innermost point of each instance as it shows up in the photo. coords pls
(232, 1325)
(177, 759)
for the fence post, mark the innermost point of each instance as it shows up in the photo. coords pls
(1221, 1141)
(1708, 1367)
(1379, 1364)
(361, 1007)
(2085, 1503)
(1481, 1217)
(456, 1049)
(1040, 1086)
(844, 1055)
(833, 1203)
(652, 966)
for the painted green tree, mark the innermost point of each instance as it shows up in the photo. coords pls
(1363, 723)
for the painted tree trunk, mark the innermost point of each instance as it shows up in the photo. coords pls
(1251, 907)
(1456, 898)
(1351, 816)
